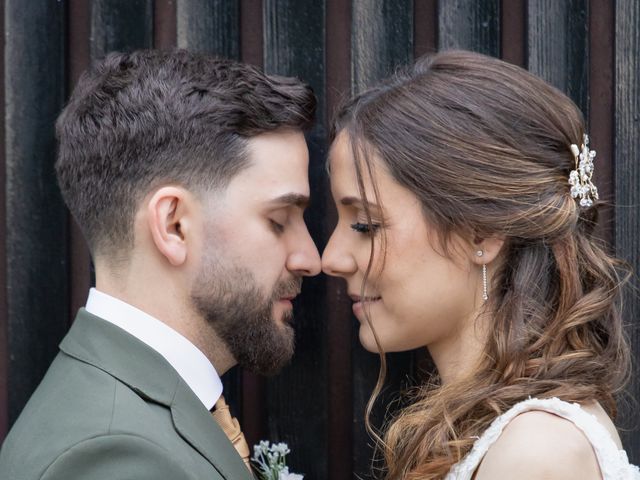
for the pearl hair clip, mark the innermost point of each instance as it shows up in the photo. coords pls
(580, 178)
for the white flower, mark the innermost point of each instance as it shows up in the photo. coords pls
(290, 476)
(270, 461)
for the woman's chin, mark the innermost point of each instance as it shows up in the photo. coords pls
(367, 340)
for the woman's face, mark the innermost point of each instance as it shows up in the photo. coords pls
(420, 296)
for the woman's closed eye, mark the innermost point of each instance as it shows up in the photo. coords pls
(365, 227)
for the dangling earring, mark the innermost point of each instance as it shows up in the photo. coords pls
(485, 293)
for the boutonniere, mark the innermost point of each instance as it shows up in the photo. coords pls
(270, 461)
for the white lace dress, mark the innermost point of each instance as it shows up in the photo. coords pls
(613, 462)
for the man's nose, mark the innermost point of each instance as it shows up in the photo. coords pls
(305, 259)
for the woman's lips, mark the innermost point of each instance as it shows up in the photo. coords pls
(359, 302)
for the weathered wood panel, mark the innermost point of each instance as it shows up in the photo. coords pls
(120, 25)
(209, 26)
(470, 25)
(588, 48)
(338, 318)
(381, 39)
(513, 32)
(558, 46)
(294, 39)
(5, 349)
(627, 188)
(164, 24)
(37, 279)
(601, 103)
(425, 27)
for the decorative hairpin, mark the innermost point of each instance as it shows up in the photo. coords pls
(580, 178)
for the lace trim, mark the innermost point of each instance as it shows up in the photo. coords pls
(614, 464)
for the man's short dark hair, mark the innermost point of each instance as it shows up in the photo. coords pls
(139, 120)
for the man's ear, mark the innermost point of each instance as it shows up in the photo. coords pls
(490, 248)
(169, 222)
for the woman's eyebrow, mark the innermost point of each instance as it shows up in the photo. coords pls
(358, 202)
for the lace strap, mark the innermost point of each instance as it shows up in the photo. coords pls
(613, 462)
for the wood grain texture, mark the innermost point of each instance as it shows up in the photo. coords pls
(209, 26)
(294, 43)
(120, 25)
(37, 278)
(164, 24)
(78, 55)
(338, 319)
(5, 349)
(558, 46)
(381, 39)
(601, 104)
(470, 25)
(251, 35)
(513, 32)
(627, 188)
(425, 27)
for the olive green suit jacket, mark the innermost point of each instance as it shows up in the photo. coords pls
(110, 407)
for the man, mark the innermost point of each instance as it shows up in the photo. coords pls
(188, 176)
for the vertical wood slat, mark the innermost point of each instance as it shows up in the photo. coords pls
(627, 181)
(164, 24)
(78, 58)
(558, 46)
(5, 350)
(251, 33)
(36, 240)
(425, 22)
(253, 387)
(338, 318)
(470, 25)
(120, 25)
(294, 36)
(209, 26)
(381, 39)
(601, 100)
(513, 31)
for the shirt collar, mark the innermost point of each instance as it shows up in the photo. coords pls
(190, 363)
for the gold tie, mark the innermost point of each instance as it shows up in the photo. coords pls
(231, 428)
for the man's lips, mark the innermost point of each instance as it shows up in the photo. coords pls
(289, 297)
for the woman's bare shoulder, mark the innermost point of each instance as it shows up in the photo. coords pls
(540, 445)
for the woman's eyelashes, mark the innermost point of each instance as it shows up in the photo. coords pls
(365, 228)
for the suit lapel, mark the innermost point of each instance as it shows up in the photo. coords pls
(196, 425)
(111, 349)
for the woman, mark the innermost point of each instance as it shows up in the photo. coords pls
(459, 230)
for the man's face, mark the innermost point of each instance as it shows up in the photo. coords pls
(256, 249)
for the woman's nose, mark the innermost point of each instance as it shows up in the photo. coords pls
(336, 259)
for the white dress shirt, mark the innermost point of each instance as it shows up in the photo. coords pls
(190, 363)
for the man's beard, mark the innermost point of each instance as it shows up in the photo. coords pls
(230, 300)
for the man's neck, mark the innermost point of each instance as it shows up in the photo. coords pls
(167, 305)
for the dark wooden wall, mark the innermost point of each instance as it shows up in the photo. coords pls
(588, 48)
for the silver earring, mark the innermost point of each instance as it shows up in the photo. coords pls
(485, 293)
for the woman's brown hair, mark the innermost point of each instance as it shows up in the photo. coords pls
(485, 147)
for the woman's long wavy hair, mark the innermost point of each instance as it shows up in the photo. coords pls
(485, 147)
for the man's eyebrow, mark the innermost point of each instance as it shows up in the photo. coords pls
(291, 199)
(347, 201)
